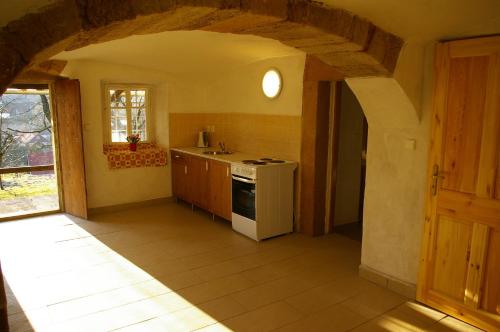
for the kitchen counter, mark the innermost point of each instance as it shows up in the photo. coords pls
(228, 158)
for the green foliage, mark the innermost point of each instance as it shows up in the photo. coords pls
(27, 185)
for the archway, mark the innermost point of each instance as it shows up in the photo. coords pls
(350, 44)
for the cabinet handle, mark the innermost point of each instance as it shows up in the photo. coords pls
(185, 169)
(227, 171)
(177, 156)
(206, 166)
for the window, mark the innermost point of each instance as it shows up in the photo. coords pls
(128, 112)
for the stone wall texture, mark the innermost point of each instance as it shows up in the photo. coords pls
(350, 44)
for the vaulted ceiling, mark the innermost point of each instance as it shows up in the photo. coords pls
(184, 52)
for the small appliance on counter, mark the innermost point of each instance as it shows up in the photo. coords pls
(202, 139)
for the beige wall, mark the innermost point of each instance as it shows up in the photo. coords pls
(234, 105)
(350, 145)
(107, 187)
(274, 136)
(239, 90)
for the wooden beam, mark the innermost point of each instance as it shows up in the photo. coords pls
(26, 169)
(51, 67)
(30, 77)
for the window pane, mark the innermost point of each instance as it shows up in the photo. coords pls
(118, 136)
(119, 112)
(118, 125)
(138, 98)
(118, 98)
(139, 122)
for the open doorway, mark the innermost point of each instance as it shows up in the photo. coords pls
(350, 176)
(28, 177)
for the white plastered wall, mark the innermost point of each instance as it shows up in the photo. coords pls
(398, 137)
(239, 90)
(107, 187)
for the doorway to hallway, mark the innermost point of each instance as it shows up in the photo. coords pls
(350, 176)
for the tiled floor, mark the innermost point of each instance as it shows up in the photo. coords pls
(166, 268)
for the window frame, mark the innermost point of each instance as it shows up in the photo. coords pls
(107, 131)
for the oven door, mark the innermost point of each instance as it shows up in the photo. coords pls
(244, 197)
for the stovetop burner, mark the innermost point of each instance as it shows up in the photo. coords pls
(253, 162)
(273, 161)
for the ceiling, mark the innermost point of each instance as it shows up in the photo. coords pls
(428, 20)
(179, 52)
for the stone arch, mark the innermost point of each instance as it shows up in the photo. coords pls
(350, 44)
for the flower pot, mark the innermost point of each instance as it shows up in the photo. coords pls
(133, 146)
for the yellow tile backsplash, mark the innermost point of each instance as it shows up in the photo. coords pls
(274, 136)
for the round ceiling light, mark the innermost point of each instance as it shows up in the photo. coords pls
(271, 83)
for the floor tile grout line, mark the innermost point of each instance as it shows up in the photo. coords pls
(137, 323)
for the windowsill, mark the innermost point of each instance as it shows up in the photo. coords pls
(147, 155)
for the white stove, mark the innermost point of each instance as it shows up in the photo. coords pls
(262, 197)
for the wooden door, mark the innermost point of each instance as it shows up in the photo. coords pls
(460, 263)
(66, 95)
(179, 176)
(220, 189)
(198, 172)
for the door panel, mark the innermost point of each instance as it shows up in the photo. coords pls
(452, 247)
(70, 139)
(463, 134)
(476, 259)
(460, 261)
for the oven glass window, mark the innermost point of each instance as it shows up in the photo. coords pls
(244, 199)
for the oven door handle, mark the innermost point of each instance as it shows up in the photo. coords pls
(237, 178)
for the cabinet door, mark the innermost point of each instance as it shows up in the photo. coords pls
(220, 185)
(198, 173)
(460, 266)
(179, 176)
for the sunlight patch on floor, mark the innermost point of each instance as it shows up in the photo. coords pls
(112, 282)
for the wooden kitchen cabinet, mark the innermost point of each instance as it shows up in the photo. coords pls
(199, 184)
(203, 182)
(180, 180)
(220, 189)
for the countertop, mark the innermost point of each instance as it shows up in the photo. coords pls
(228, 158)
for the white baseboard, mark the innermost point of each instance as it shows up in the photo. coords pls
(398, 286)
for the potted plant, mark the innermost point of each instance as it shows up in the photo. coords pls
(133, 140)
